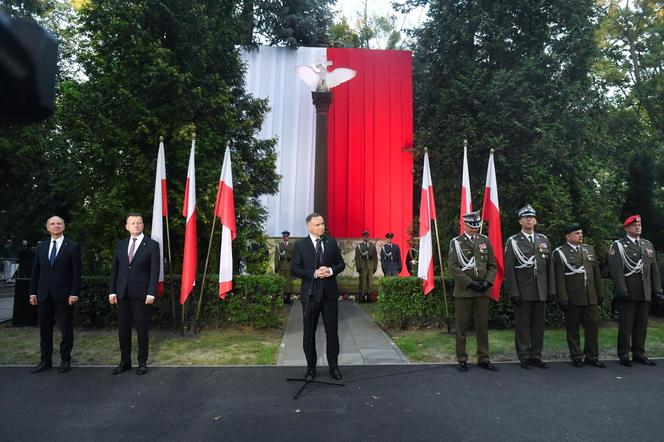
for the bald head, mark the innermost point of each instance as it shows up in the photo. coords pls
(55, 226)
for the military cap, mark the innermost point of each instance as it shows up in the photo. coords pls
(365, 233)
(472, 220)
(527, 210)
(573, 227)
(389, 235)
(285, 233)
(632, 219)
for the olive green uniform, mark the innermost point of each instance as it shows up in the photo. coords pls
(529, 277)
(468, 302)
(579, 285)
(283, 254)
(634, 288)
(366, 262)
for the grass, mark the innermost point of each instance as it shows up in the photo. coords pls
(232, 346)
(434, 345)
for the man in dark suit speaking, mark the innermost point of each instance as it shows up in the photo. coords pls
(55, 285)
(317, 261)
(133, 287)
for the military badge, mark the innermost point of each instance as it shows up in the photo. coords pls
(482, 246)
(649, 252)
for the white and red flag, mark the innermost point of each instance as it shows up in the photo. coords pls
(159, 211)
(427, 213)
(491, 214)
(224, 208)
(466, 200)
(189, 212)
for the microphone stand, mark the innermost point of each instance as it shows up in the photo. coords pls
(309, 317)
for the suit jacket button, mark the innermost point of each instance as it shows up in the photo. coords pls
(129, 266)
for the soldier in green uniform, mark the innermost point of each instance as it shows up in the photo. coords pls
(473, 265)
(635, 279)
(580, 291)
(366, 262)
(529, 282)
(283, 255)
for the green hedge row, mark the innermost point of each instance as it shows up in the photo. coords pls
(401, 304)
(255, 301)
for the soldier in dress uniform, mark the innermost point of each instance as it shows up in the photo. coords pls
(636, 279)
(473, 265)
(580, 292)
(529, 282)
(411, 257)
(283, 255)
(365, 263)
(390, 257)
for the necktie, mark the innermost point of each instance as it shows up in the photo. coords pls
(530, 239)
(54, 253)
(131, 249)
(319, 250)
(637, 243)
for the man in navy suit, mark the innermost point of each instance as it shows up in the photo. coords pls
(317, 261)
(133, 287)
(55, 285)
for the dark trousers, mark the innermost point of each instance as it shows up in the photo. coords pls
(47, 310)
(529, 329)
(311, 310)
(588, 317)
(478, 308)
(133, 311)
(632, 327)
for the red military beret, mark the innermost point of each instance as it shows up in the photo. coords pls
(632, 219)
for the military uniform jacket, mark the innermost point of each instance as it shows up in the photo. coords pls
(578, 278)
(637, 284)
(366, 255)
(477, 263)
(390, 257)
(283, 254)
(529, 271)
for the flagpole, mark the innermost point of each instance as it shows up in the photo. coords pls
(170, 262)
(442, 277)
(200, 293)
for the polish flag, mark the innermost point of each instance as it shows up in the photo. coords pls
(190, 249)
(466, 200)
(427, 213)
(224, 208)
(159, 211)
(491, 214)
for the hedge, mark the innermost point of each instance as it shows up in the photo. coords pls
(255, 301)
(401, 304)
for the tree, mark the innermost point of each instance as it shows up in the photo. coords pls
(515, 76)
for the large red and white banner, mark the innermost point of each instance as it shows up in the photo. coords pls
(427, 214)
(370, 132)
(159, 211)
(491, 214)
(466, 200)
(224, 208)
(189, 212)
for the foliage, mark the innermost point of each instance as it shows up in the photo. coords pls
(254, 302)
(515, 77)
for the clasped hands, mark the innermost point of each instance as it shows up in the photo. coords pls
(323, 272)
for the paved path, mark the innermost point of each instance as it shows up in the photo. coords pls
(361, 341)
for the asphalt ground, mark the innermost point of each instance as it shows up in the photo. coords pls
(378, 403)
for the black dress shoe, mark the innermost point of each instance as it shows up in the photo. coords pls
(336, 374)
(538, 363)
(41, 367)
(142, 369)
(578, 363)
(524, 364)
(310, 375)
(645, 361)
(65, 366)
(595, 363)
(121, 368)
(463, 366)
(626, 362)
(487, 365)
